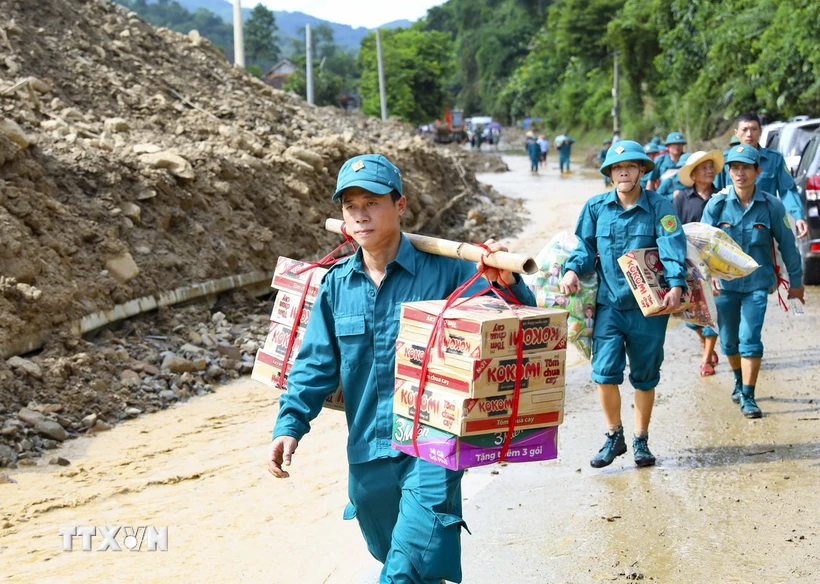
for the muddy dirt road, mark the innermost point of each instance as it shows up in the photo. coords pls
(731, 500)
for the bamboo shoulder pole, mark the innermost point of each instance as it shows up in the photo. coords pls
(459, 250)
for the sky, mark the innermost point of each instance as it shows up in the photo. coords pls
(367, 13)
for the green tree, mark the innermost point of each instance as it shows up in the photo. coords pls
(174, 16)
(334, 69)
(416, 67)
(789, 61)
(327, 87)
(261, 46)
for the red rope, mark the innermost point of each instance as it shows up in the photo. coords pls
(781, 282)
(436, 338)
(328, 260)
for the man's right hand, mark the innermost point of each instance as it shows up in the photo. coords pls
(570, 283)
(281, 450)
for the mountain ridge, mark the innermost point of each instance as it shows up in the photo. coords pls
(289, 22)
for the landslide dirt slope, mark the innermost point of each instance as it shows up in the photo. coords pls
(135, 160)
(147, 143)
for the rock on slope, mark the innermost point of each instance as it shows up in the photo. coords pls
(135, 160)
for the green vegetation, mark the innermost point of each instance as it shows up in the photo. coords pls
(416, 63)
(334, 69)
(689, 65)
(260, 38)
(172, 15)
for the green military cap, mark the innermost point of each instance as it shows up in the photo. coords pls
(372, 172)
(624, 151)
(743, 153)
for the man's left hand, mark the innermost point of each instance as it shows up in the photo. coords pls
(671, 302)
(802, 228)
(797, 293)
(495, 275)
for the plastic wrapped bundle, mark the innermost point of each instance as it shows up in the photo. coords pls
(703, 311)
(724, 258)
(581, 306)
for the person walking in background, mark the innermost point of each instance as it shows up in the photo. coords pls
(602, 157)
(534, 152)
(544, 144)
(671, 186)
(755, 220)
(611, 224)
(675, 143)
(652, 150)
(697, 177)
(564, 144)
(774, 178)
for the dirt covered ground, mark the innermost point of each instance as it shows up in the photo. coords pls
(135, 160)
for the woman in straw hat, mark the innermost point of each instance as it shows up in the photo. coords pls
(697, 174)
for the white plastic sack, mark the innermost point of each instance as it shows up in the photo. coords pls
(581, 306)
(724, 258)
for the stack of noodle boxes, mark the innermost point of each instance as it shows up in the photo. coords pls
(291, 277)
(468, 397)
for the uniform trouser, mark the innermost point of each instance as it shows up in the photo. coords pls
(621, 333)
(706, 331)
(740, 321)
(409, 511)
(563, 160)
(534, 163)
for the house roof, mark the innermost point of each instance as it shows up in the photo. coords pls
(278, 65)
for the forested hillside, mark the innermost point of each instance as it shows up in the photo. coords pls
(688, 64)
(691, 65)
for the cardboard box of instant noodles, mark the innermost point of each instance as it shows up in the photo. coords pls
(644, 276)
(485, 327)
(458, 452)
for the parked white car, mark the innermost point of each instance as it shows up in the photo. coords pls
(792, 139)
(769, 132)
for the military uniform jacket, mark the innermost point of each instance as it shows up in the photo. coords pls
(753, 229)
(606, 230)
(774, 179)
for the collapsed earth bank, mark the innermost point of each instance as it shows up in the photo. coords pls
(136, 160)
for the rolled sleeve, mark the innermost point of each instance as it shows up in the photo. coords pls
(314, 375)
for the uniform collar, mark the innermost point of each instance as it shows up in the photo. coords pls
(757, 196)
(406, 258)
(643, 200)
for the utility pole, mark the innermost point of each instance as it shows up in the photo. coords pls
(616, 107)
(309, 64)
(382, 94)
(238, 40)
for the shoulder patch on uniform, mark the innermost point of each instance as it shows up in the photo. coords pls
(786, 221)
(669, 223)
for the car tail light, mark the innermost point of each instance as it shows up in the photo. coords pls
(815, 247)
(813, 188)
